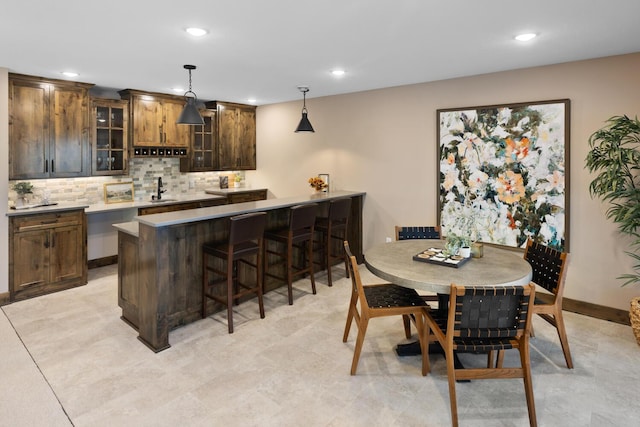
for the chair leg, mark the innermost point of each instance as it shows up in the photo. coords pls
(422, 336)
(490, 357)
(260, 282)
(205, 285)
(528, 385)
(406, 320)
(290, 271)
(230, 287)
(328, 258)
(451, 376)
(562, 334)
(362, 330)
(309, 247)
(500, 359)
(350, 315)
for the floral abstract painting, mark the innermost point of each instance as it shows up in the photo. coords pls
(503, 173)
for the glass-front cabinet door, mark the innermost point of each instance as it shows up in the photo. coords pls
(110, 119)
(202, 155)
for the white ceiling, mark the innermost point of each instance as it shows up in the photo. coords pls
(264, 49)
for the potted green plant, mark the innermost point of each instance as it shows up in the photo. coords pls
(615, 156)
(22, 188)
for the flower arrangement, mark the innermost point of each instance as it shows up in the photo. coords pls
(317, 183)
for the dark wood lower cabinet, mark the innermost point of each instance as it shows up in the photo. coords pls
(47, 253)
(161, 208)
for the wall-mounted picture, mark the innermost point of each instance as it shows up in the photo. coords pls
(118, 192)
(325, 178)
(504, 173)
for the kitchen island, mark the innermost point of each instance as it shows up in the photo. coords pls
(167, 290)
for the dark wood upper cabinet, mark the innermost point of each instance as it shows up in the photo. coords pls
(236, 135)
(48, 128)
(153, 118)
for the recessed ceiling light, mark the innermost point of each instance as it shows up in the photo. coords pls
(70, 74)
(338, 73)
(251, 101)
(525, 37)
(196, 32)
(177, 89)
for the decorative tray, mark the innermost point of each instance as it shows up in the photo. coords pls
(435, 256)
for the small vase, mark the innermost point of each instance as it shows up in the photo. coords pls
(465, 252)
(21, 201)
(477, 249)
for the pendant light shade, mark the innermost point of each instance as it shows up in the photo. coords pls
(190, 114)
(305, 124)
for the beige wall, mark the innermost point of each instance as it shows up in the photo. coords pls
(384, 142)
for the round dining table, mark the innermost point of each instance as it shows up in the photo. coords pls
(394, 262)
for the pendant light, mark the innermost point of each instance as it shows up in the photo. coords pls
(190, 114)
(305, 124)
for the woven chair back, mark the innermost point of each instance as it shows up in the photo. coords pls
(410, 233)
(548, 265)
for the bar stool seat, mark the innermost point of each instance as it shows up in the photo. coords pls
(333, 230)
(245, 244)
(298, 234)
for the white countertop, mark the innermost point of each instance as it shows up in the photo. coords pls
(57, 207)
(203, 214)
(128, 227)
(113, 207)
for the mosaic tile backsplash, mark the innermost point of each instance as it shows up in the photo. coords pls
(143, 172)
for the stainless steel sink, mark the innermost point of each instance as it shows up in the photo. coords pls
(163, 200)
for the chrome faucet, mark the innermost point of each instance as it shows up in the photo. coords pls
(160, 190)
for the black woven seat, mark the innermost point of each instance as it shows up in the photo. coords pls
(380, 300)
(485, 319)
(390, 295)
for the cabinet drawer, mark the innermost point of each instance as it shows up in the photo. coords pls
(49, 220)
(247, 197)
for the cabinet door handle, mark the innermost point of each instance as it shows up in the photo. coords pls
(46, 241)
(46, 166)
(53, 166)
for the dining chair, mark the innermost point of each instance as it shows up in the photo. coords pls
(549, 271)
(485, 319)
(422, 232)
(298, 234)
(381, 300)
(244, 245)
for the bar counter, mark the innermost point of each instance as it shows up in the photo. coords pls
(164, 288)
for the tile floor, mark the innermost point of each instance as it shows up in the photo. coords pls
(69, 360)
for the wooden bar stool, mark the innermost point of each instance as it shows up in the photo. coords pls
(333, 232)
(245, 243)
(298, 234)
